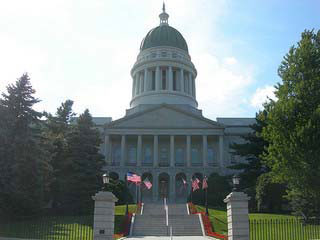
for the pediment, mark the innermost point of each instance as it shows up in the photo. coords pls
(164, 117)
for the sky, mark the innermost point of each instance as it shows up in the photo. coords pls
(84, 50)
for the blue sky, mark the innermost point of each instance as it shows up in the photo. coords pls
(84, 50)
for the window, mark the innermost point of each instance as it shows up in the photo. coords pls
(164, 155)
(132, 155)
(164, 79)
(195, 155)
(179, 156)
(116, 155)
(153, 81)
(163, 54)
(141, 83)
(211, 158)
(174, 77)
(186, 83)
(147, 154)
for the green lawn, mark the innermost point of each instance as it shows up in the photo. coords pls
(59, 228)
(264, 226)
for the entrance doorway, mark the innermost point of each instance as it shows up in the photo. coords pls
(164, 180)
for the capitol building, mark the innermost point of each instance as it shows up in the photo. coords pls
(164, 136)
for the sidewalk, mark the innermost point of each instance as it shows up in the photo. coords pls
(173, 238)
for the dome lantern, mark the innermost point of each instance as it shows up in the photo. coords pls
(164, 16)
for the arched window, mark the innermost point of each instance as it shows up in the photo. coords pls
(132, 155)
(116, 155)
(147, 154)
(179, 156)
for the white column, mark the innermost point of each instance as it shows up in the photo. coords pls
(123, 150)
(155, 150)
(137, 83)
(190, 84)
(107, 148)
(188, 151)
(172, 151)
(145, 80)
(134, 87)
(221, 151)
(170, 79)
(139, 155)
(158, 83)
(172, 189)
(141, 82)
(238, 216)
(205, 150)
(181, 80)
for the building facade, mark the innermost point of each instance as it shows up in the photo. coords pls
(164, 136)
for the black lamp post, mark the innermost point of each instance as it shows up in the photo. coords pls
(105, 178)
(236, 182)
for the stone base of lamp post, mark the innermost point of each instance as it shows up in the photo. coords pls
(103, 227)
(238, 216)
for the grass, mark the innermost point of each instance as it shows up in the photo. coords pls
(266, 226)
(59, 227)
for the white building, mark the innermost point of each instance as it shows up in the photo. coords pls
(163, 135)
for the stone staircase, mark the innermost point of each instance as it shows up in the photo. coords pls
(153, 221)
(183, 224)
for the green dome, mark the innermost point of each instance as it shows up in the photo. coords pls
(164, 35)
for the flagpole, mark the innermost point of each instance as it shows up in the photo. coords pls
(191, 192)
(136, 192)
(127, 207)
(207, 211)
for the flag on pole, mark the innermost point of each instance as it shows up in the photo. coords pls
(204, 183)
(195, 184)
(147, 183)
(132, 177)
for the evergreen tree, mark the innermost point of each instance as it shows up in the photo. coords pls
(24, 159)
(58, 127)
(293, 129)
(84, 164)
(255, 180)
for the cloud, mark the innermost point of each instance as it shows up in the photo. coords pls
(261, 96)
(84, 51)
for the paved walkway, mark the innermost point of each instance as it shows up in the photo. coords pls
(173, 238)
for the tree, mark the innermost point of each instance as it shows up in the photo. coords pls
(58, 127)
(25, 161)
(84, 163)
(293, 130)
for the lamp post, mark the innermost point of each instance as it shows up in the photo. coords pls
(105, 178)
(236, 182)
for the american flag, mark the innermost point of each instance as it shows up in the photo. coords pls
(195, 184)
(205, 183)
(132, 177)
(147, 183)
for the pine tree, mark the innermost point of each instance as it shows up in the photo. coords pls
(85, 163)
(58, 127)
(25, 162)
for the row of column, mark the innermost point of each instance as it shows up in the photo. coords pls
(172, 148)
(140, 83)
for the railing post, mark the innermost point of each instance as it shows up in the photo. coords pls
(238, 216)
